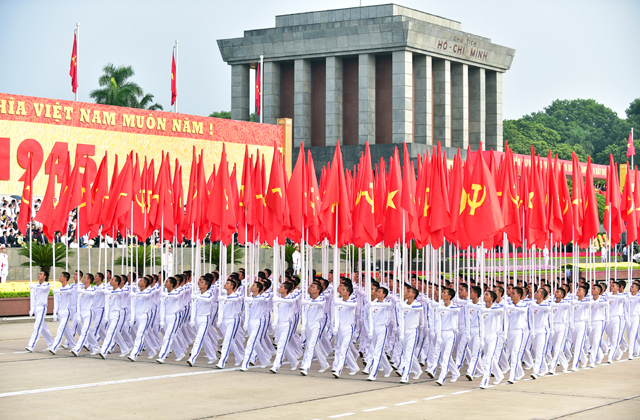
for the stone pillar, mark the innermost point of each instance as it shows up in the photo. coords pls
(477, 107)
(423, 112)
(301, 102)
(402, 96)
(494, 110)
(459, 105)
(366, 98)
(334, 100)
(442, 102)
(240, 92)
(271, 94)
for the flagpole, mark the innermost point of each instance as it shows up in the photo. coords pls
(261, 84)
(176, 104)
(77, 49)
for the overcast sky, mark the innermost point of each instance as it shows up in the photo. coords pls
(564, 49)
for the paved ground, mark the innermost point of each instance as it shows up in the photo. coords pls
(39, 385)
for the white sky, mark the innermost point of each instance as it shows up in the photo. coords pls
(564, 49)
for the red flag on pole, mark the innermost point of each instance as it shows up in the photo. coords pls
(628, 209)
(258, 93)
(591, 225)
(631, 150)
(364, 228)
(26, 204)
(174, 85)
(73, 71)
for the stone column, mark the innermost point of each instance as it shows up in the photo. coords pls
(402, 96)
(459, 105)
(271, 94)
(477, 107)
(442, 102)
(423, 113)
(301, 102)
(366, 98)
(240, 92)
(494, 110)
(334, 100)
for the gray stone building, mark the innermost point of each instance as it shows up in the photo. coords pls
(383, 74)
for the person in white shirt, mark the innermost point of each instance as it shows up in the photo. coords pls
(475, 332)
(540, 324)
(314, 313)
(599, 317)
(618, 316)
(255, 323)
(462, 344)
(141, 312)
(4, 264)
(492, 323)
(85, 316)
(167, 261)
(446, 325)
(560, 318)
(114, 298)
(39, 301)
(62, 302)
(229, 313)
(380, 316)
(634, 320)
(202, 321)
(170, 307)
(345, 305)
(411, 310)
(580, 324)
(517, 335)
(284, 313)
(99, 318)
(296, 260)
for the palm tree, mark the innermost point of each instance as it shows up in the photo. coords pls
(42, 255)
(117, 90)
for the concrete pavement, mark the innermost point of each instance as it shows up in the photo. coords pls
(39, 385)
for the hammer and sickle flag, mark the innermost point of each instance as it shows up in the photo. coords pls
(482, 216)
(628, 208)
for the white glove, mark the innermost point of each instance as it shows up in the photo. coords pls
(78, 319)
(162, 325)
(192, 323)
(131, 323)
(30, 313)
(54, 318)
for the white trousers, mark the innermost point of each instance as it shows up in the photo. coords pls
(538, 351)
(579, 338)
(490, 358)
(558, 342)
(254, 349)
(313, 334)
(202, 340)
(40, 327)
(447, 364)
(171, 323)
(516, 342)
(63, 330)
(380, 333)
(113, 335)
(344, 353)
(86, 337)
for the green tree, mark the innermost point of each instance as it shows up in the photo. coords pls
(119, 91)
(227, 115)
(521, 134)
(222, 114)
(42, 255)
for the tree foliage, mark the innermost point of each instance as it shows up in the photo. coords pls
(42, 255)
(119, 91)
(227, 115)
(582, 126)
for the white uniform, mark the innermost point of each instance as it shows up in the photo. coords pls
(346, 329)
(255, 324)
(115, 320)
(314, 312)
(285, 311)
(618, 313)
(580, 331)
(492, 322)
(39, 300)
(140, 321)
(516, 338)
(4, 267)
(540, 324)
(634, 325)
(411, 314)
(380, 314)
(203, 321)
(84, 315)
(229, 310)
(446, 324)
(475, 336)
(170, 313)
(62, 295)
(599, 317)
(560, 329)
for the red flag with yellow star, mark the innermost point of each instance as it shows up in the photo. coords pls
(73, 71)
(393, 217)
(631, 150)
(223, 215)
(174, 84)
(365, 230)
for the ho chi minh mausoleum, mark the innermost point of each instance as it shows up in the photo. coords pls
(384, 74)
